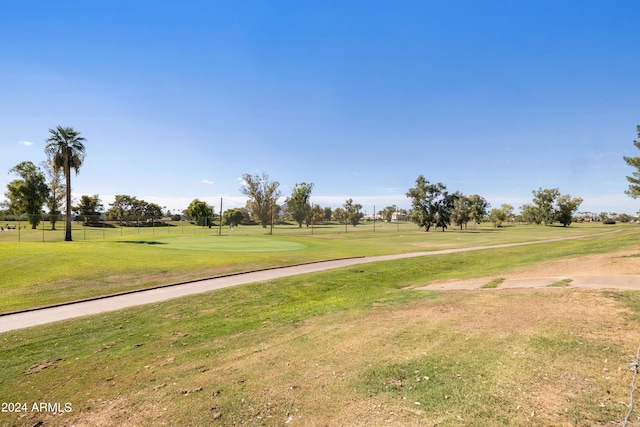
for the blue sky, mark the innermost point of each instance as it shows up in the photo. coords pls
(178, 99)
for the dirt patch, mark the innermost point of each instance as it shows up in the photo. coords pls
(620, 270)
(624, 262)
(41, 366)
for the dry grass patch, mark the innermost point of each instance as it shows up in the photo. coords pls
(518, 357)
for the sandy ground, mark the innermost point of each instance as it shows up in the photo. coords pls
(620, 270)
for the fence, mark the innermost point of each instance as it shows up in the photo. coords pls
(20, 229)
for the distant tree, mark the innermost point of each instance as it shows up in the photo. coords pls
(318, 215)
(530, 214)
(425, 199)
(566, 206)
(623, 217)
(327, 213)
(200, 212)
(479, 208)
(137, 210)
(634, 180)
(461, 212)
(508, 210)
(89, 207)
(65, 147)
(278, 213)
(339, 215)
(154, 211)
(263, 196)
(500, 215)
(232, 217)
(387, 213)
(353, 212)
(497, 217)
(121, 208)
(29, 193)
(444, 208)
(57, 191)
(246, 216)
(544, 201)
(298, 203)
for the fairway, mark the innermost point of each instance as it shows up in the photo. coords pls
(35, 273)
(220, 243)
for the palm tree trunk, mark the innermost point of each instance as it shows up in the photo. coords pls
(67, 174)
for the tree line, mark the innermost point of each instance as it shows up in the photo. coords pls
(432, 205)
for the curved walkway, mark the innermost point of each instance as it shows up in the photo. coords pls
(34, 317)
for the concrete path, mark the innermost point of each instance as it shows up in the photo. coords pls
(43, 316)
(10, 322)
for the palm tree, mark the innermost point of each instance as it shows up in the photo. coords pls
(65, 147)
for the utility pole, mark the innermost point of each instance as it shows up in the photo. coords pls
(220, 225)
(374, 218)
(271, 228)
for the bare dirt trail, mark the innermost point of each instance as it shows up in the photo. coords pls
(619, 270)
(28, 318)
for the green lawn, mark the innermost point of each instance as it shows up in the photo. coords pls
(39, 273)
(342, 347)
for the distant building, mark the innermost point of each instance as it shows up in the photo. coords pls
(372, 217)
(398, 216)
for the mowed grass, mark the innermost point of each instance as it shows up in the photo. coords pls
(347, 347)
(41, 273)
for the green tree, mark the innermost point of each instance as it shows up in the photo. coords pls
(461, 212)
(89, 208)
(623, 217)
(154, 211)
(56, 193)
(530, 214)
(544, 201)
(29, 193)
(479, 208)
(387, 213)
(497, 217)
(65, 147)
(500, 215)
(339, 215)
(566, 206)
(298, 203)
(352, 211)
(327, 213)
(425, 198)
(201, 212)
(318, 214)
(634, 180)
(137, 210)
(121, 208)
(444, 208)
(263, 196)
(232, 217)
